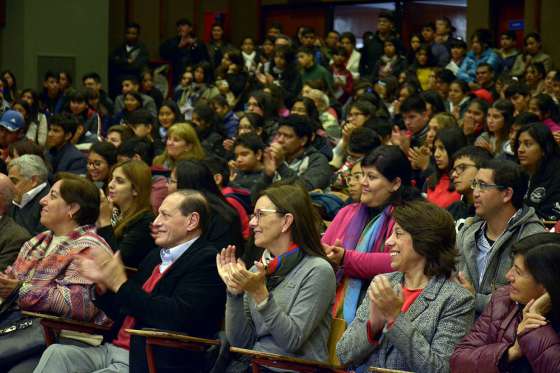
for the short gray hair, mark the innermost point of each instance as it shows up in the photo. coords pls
(30, 165)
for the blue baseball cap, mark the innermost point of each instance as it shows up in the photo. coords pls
(12, 120)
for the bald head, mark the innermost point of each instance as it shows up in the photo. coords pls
(7, 193)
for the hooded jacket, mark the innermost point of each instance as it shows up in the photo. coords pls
(524, 223)
(544, 190)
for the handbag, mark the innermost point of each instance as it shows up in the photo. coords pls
(20, 336)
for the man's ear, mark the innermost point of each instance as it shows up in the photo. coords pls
(508, 195)
(194, 222)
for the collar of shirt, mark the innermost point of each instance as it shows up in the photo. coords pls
(29, 195)
(169, 256)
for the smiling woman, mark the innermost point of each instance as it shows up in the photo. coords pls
(419, 306)
(281, 304)
(46, 266)
(126, 212)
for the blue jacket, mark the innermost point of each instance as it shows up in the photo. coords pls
(467, 71)
(67, 159)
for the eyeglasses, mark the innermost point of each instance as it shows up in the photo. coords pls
(481, 185)
(95, 164)
(356, 177)
(259, 213)
(460, 168)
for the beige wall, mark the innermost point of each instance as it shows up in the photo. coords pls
(550, 14)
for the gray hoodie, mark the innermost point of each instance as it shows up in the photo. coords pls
(524, 223)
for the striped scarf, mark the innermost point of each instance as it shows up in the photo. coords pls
(372, 239)
(278, 267)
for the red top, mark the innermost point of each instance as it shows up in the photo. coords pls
(440, 195)
(123, 338)
(409, 297)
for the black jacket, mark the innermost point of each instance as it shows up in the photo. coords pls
(67, 159)
(29, 216)
(544, 190)
(189, 298)
(136, 241)
(181, 58)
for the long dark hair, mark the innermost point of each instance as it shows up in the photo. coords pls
(542, 136)
(195, 175)
(391, 162)
(452, 139)
(541, 252)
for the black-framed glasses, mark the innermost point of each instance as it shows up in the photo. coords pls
(258, 214)
(460, 168)
(481, 185)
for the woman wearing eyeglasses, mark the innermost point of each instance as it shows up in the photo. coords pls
(280, 304)
(102, 156)
(355, 239)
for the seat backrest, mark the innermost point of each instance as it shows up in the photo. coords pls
(338, 327)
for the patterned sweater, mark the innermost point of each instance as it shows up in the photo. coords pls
(50, 279)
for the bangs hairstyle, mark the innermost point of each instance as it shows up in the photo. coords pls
(433, 235)
(391, 162)
(81, 191)
(452, 139)
(294, 200)
(185, 132)
(140, 177)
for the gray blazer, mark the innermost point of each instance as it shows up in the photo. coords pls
(523, 224)
(12, 238)
(295, 321)
(421, 339)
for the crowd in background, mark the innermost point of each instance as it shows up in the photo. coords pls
(404, 187)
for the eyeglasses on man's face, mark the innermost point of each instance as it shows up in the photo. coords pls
(460, 168)
(481, 185)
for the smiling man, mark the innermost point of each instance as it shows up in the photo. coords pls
(176, 288)
(501, 220)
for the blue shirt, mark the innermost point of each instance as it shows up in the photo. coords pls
(169, 256)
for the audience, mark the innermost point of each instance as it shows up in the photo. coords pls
(360, 130)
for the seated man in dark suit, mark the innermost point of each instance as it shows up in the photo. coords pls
(12, 235)
(63, 155)
(29, 175)
(176, 288)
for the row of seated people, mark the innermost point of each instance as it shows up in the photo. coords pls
(411, 319)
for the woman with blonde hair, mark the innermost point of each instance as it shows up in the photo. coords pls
(182, 143)
(126, 212)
